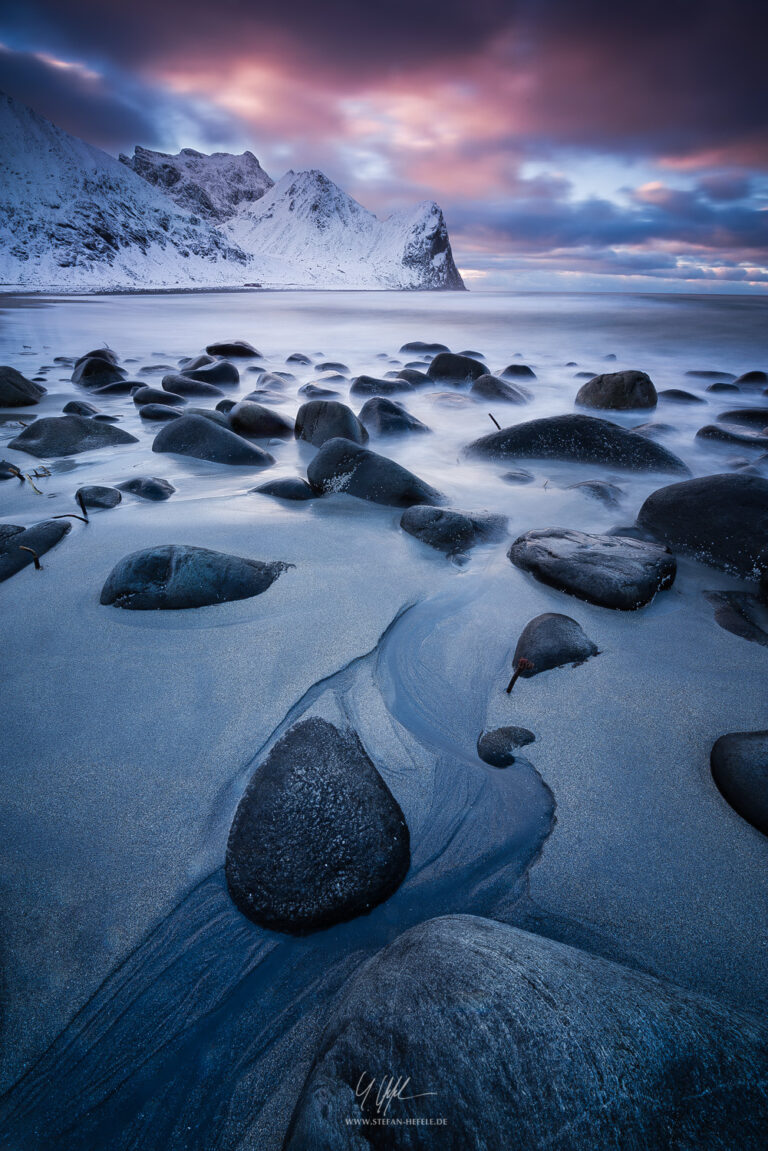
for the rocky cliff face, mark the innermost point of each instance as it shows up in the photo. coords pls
(213, 186)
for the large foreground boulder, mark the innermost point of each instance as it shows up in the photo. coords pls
(584, 439)
(610, 571)
(739, 763)
(318, 421)
(16, 391)
(19, 546)
(341, 466)
(204, 439)
(251, 419)
(451, 531)
(318, 838)
(176, 576)
(721, 519)
(68, 436)
(551, 640)
(498, 1039)
(618, 391)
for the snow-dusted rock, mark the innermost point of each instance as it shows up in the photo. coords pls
(213, 186)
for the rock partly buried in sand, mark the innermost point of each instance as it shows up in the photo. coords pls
(95, 496)
(203, 439)
(447, 368)
(371, 386)
(16, 391)
(176, 576)
(68, 436)
(287, 488)
(451, 531)
(610, 571)
(236, 348)
(584, 439)
(739, 763)
(342, 466)
(95, 372)
(742, 614)
(148, 488)
(251, 419)
(551, 640)
(492, 388)
(721, 519)
(618, 391)
(388, 418)
(497, 747)
(19, 546)
(321, 420)
(318, 838)
(548, 1046)
(180, 385)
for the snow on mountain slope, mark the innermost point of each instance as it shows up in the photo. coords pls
(212, 186)
(306, 231)
(74, 219)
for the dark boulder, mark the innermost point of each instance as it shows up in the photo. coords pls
(287, 488)
(551, 640)
(584, 439)
(752, 379)
(19, 546)
(423, 348)
(739, 763)
(743, 436)
(723, 387)
(680, 396)
(618, 391)
(95, 371)
(332, 366)
(221, 374)
(79, 408)
(610, 571)
(721, 519)
(343, 466)
(251, 419)
(68, 436)
(9, 471)
(318, 838)
(297, 358)
(148, 488)
(414, 377)
(235, 348)
(518, 372)
(159, 413)
(749, 417)
(741, 614)
(176, 576)
(608, 494)
(117, 388)
(221, 419)
(388, 418)
(192, 362)
(370, 386)
(147, 395)
(16, 391)
(180, 385)
(321, 420)
(225, 406)
(95, 496)
(315, 392)
(709, 374)
(194, 435)
(451, 531)
(507, 1041)
(492, 388)
(448, 368)
(497, 747)
(105, 354)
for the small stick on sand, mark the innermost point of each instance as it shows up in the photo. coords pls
(498, 425)
(71, 516)
(83, 508)
(522, 665)
(35, 556)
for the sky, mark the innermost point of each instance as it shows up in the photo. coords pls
(572, 144)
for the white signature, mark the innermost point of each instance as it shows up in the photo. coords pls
(388, 1089)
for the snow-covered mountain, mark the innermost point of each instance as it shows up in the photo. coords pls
(212, 186)
(74, 219)
(307, 231)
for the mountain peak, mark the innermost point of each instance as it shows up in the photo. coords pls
(214, 186)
